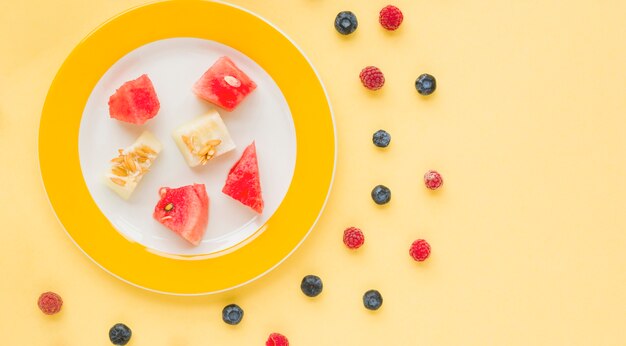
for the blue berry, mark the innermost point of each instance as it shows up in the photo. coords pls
(425, 84)
(346, 22)
(381, 194)
(311, 286)
(120, 334)
(372, 300)
(381, 138)
(232, 314)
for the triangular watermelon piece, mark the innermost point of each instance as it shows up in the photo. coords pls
(135, 101)
(243, 183)
(184, 210)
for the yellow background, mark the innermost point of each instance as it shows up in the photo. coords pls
(528, 127)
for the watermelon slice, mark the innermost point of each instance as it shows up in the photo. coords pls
(184, 210)
(243, 183)
(224, 84)
(135, 101)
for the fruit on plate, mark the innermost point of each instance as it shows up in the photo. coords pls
(203, 139)
(224, 84)
(184, 210)
(135, 101)
(243, 183)
(131, 164)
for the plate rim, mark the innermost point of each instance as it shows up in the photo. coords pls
(256, 233)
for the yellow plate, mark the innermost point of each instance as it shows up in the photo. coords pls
(92, 231)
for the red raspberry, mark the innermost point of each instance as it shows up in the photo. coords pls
(420, 250)
(390, 17)
(433, 180)
(353, 237)
(372, 78)
(277, 339)
(50, 303)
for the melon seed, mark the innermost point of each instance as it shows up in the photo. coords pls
(232, 81)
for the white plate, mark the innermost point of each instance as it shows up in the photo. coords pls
(174, 65)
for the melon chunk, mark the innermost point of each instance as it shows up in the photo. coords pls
(243, 182)
(224, 84)
(135, 101)
(131, 164)
(184, 210)
(203, 139)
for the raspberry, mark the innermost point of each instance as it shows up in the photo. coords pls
(277, 339)
(353, 237)
(372, 77)
(390, 17)
(420, 250)
(50, 303)
(433, 180)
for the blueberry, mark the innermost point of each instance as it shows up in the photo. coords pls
(120, 334)
(372, 300)
(425, 84)
(311, 286)
(381, 138)
(232, 314)
(346, 22)
(381, 194)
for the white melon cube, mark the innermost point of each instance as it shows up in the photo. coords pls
(203, 139)
(132, 163)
